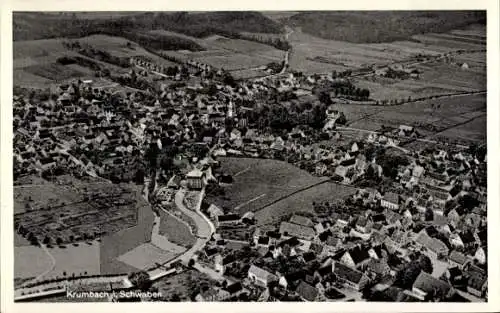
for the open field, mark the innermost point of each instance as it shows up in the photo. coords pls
(474, 130)
(436, 78)
(175, 231)
(145, 256)
(119, 243)
(32, 261)
(54, 72)
(248, 73)
(231, 54)
(35, 60)
(463, 116)
(302, 201)
(316, 55)
(258, 183)
(74, 211)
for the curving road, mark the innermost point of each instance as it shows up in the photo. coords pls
(204, 227)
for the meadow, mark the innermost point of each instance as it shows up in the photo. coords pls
(258, 182)
(447, 62)
(231, 54)
(31, 261)
(35, 61)
(175, 231)
(454, 117)
(302, 201)
(146, 256)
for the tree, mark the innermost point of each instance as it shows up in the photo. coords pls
(468, 202)
(429, 214)
(324, 97)
(228, 79)
(140, 280)
(175, 298)
(341, 120)
(47, 240)
(59, 241)
(191, 263)
(407, 276)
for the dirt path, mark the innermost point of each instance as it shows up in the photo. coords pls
(50, 269)
(248, 202)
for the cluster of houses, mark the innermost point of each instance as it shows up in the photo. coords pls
(307, 257)
(342, 253)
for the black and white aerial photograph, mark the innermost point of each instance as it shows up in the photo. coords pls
(249, 156)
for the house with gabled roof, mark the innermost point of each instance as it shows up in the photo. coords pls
(426, 285)
(480, 255)
(349, 276)
(390, 200)
(363, 225)
(458, 259)
(212, 294)
(295, 230)
(356, 257)
(307, 292)
(433, 246)
(260, 276)
(477, 283)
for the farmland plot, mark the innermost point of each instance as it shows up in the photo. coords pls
(466, 112)
(175, 231)
(31, 261)
(146, 255)
(232, 54)
(258, 182)
(302, 201)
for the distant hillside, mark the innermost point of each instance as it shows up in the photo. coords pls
(30, 26)
(210, 23)
(33, 26)
(382, 26)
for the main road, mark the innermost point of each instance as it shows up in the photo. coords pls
(204, 227)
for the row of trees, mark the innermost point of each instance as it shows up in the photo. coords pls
(278, 43)
(92, 52)
(49, 240)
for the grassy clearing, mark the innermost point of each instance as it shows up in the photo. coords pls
(119, 243)
(302, 201)
(54, 72)
(474, 130)
(32, 261)
(145, 256)
(175, 231)
(258, 182)
(311, 54)
(467, 112)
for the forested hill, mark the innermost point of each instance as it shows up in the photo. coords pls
(381, 26)
(31, 26)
